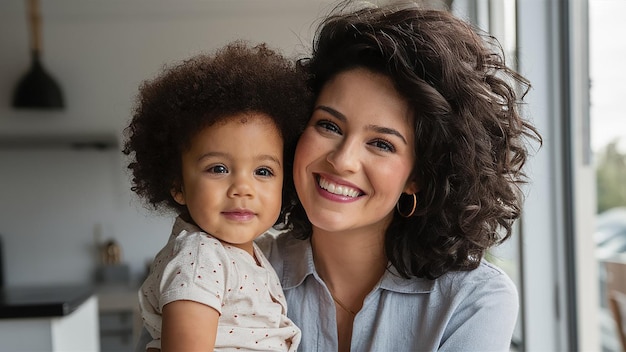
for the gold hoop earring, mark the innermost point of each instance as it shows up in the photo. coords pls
(412, 210)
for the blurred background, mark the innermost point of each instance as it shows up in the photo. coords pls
(68, 217)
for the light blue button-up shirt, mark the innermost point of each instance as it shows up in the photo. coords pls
(460, 311)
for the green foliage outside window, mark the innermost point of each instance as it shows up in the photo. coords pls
(611, 176)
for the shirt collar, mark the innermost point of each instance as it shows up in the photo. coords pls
(180, 225)
(392, 281)
(298, 264)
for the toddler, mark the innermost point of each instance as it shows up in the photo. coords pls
(212, 138)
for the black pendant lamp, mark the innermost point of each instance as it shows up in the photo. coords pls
(37, 89)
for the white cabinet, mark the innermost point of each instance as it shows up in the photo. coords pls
(77, 331)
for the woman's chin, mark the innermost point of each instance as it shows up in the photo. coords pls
(329, 222)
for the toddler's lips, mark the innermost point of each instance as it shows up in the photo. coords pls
(239, 215)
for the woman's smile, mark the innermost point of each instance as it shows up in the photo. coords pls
(337, 189)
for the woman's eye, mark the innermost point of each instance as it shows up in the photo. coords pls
(218, 169)
(328, 126)
(264, 171)
(383, 145)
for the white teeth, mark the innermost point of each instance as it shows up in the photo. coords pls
(338, 189)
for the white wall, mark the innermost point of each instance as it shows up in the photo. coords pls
(54, 200)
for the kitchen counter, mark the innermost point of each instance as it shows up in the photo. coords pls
(49, 318)
(44, 301)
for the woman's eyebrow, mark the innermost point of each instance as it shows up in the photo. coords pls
(331, 111)
(387, 130)
(379, 129)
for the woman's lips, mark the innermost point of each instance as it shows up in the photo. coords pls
(336, 191)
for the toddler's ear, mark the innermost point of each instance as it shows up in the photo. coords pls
(178, 194)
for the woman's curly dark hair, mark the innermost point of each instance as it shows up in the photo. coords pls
(470, 140)
(198, 92)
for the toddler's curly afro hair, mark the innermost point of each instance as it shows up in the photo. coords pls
(189, 96)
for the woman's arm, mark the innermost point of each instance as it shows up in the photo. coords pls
(188, 326)
(485, 319)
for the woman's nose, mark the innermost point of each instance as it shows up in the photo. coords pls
(345, 156)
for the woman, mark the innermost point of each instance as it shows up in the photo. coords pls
(407, 172)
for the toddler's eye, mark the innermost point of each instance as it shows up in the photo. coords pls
(218, 169)
(383, 145)
(329, 126)
(264, 171)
